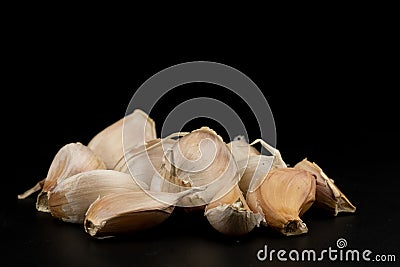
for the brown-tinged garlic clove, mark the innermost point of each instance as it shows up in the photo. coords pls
(124, 213)
(328, 196)
(282, 196)
(230, 214)
(71, 197)
(109, 143)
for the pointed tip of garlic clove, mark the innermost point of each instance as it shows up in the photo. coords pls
(344, 205)
(109, 143)
(37, 187)
(328, 196)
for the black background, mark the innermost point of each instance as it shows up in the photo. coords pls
(331, 96)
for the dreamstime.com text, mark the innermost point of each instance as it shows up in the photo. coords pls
(338, 253)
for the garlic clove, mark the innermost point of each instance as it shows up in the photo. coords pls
(131, 131)
(328, 195)
(71, 159)
(283, 195)
(242, 150)
(253, 169)
(71, 197)
(254, 166)
(130, 212)
(198, 159)
(122, 213)
(144, 161)
(230, 214)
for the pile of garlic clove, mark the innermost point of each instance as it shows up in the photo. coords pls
(115, 186)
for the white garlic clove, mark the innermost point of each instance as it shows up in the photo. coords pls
(71, 159)
(71, 197)
(131, 131)
(199, 159)
(230, 214)
(242, 150)
(145, 161)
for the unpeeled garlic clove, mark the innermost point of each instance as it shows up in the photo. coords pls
(71, 159)
(282, 196)
(253, 169)
(71, 197)
(242, 150)
(127, 212)
(230, 214)
(144, 161)
(131, 131)
(198, 159)
(328, 195)
(254, 166)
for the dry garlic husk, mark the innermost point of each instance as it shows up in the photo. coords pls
(282, 196)
(328, 195)
(109, 144)
(128, 212)
(71, 197)
(254, 166)
(71, 159)
(242, 150)
(144, 161)
(230, 214)
(199, 159)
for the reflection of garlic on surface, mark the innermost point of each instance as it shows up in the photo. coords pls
(71, 159)
(282, 196)
(71, 197)
(109, 143)
(231, 215)
(328, 195)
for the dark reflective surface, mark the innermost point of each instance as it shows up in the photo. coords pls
(186, 239)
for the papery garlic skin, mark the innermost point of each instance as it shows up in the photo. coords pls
(71, 159)
(70, 199)
(145, 161)
(230, 214)
(200, 159)
(133, 130)
(242, 150)
(125, 213)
